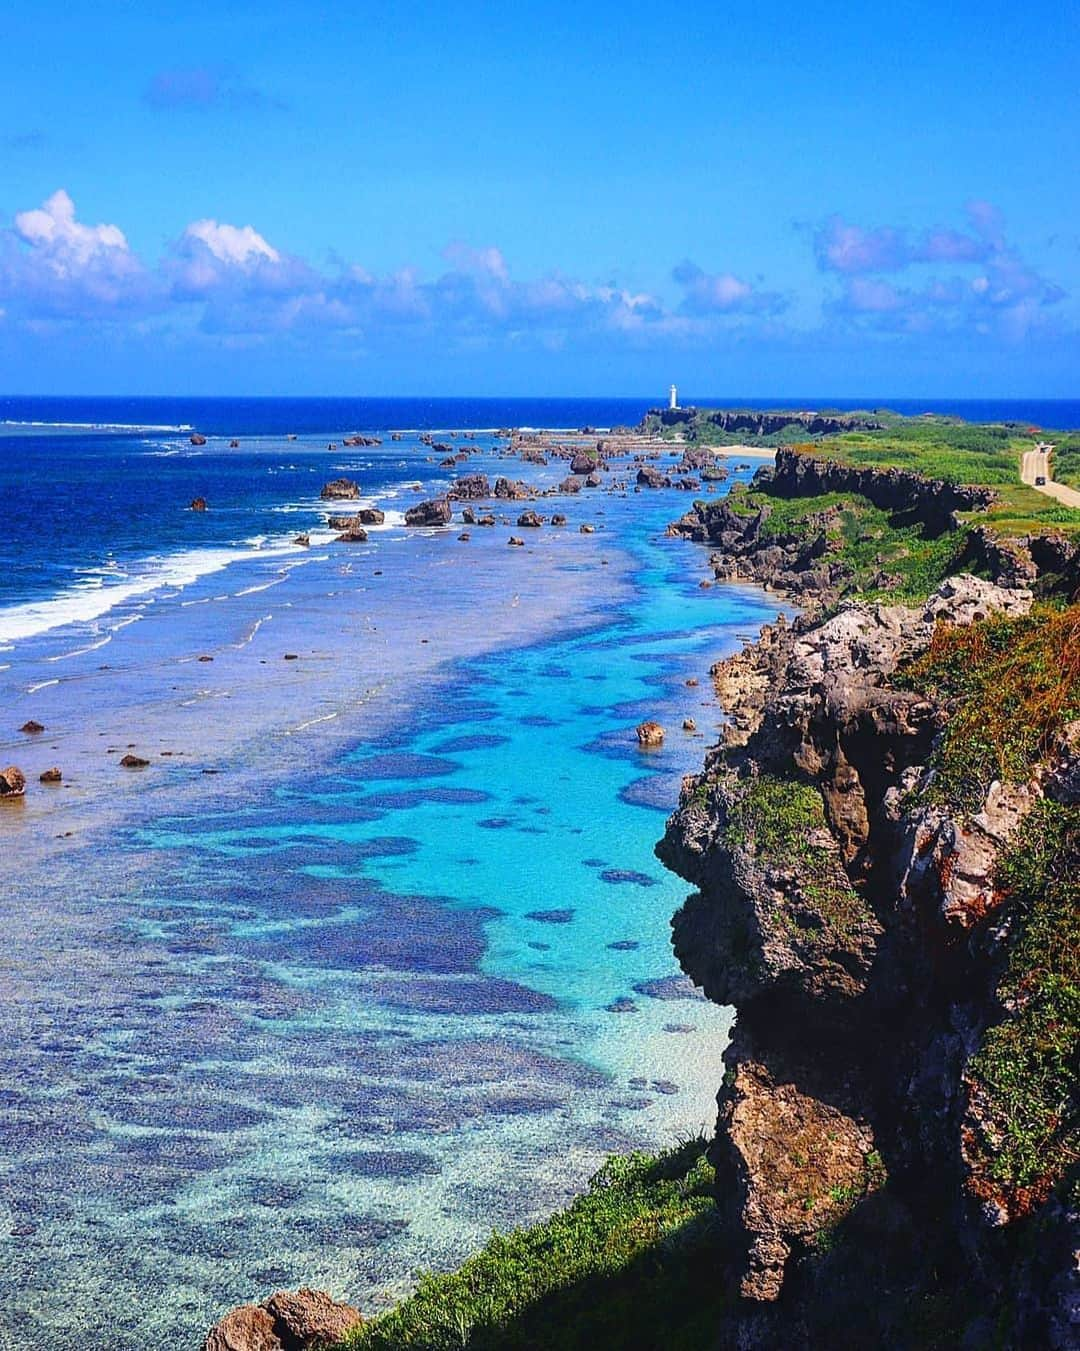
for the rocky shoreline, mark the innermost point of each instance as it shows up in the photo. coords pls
(862, 903)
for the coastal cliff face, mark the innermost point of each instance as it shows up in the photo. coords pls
(754, 422)
(867, 530)
(885, 851)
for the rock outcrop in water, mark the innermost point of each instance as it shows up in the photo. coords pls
(884, 1175)
(12, 782)
(435, 512)
(340, 489)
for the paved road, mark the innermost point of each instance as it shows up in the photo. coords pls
(1036, 464)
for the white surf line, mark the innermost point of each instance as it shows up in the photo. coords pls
(327, 717)
(261, 586)
(41, 685)
(252, 631)
(81, 651)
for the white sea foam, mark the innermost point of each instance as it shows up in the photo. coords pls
(97, 426)
(92, 598)
(42, 685)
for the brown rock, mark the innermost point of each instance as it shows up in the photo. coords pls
(516, 542)
(50, 776)
(650, 733)
(134, 762)
(12, 782)
(339, 489)
(464, 537)
(587, 529)
(33, 726)
(371, 516)
(198, 504)
(689, 725)
(530, 519)
(435, 512)
(248, 1328)
(309, 1319)
(196, 439)
(304, 540)
(558, 519)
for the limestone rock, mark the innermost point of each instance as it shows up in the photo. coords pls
(307, 1320)
(434, 512)
(650, 733)
(12, 782)
(248, 1328)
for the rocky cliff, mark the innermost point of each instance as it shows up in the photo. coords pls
(757, 423)
(885, 855)
(895, 528)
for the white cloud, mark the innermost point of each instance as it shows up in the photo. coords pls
(52, 230)
(234, 244)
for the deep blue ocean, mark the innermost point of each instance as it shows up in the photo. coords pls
(83, 498)
(372, 954)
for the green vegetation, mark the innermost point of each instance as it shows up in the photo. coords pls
(1066, 458)
(779, 818)
(1026, 1075)
(885, 561)
(1012, 684)
(631, 1264)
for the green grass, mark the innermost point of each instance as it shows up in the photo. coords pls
(1065, 460)
(1027, 1071)
(1011, 684)
(864, 539)
(633, 1263)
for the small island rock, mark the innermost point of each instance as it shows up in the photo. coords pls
(340, 488)
(12, 782)
(435, 512)
(650, 733)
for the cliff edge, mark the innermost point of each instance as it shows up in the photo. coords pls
(885, 855)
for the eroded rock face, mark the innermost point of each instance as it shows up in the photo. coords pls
(510, 490)
(851, 915)
(801, 1162)
(435, 512)
(470, 487)
(12, 782)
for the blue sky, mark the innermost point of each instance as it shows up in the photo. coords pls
(556, 198)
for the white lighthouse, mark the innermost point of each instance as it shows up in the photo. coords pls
(673, 397)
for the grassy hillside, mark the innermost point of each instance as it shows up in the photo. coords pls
(630, 1264)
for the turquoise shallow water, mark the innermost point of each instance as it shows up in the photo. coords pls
(340, 1029)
